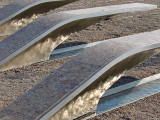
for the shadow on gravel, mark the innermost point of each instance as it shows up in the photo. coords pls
(123, 80)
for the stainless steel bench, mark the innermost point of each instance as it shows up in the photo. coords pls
(21, 12)
(36, 41)
(77, 86)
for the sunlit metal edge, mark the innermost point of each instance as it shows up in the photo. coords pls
(131, 85)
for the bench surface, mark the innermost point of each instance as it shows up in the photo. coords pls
(35, 31)
(61, 86)
(18, 6)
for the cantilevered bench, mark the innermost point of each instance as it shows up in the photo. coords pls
(77, 86)
(36, 41)
(19, 9)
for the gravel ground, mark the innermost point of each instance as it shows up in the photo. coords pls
(17, 81)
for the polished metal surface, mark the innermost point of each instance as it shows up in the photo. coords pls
(19, 13)
(76, 87)
(37, 40)
(65, 54)
(131, 92)
(71, 51)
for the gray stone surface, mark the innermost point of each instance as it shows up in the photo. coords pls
(35, 31)
(67, 81)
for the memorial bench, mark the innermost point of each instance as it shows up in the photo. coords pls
(25, 9)
(37, 40)
(77, 86)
